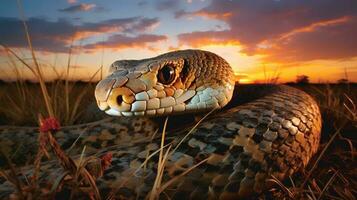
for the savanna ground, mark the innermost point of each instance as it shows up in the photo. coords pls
(330, 175)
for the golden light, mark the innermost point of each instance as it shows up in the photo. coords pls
(244, 81)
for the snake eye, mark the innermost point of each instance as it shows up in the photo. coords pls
(166, 74)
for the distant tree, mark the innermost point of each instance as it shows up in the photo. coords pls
(290, 83)
(342, 81)
(302, 79)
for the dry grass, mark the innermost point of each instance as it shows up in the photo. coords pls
(21, 102)
(67, 101)
(164, 154)
(75, 175)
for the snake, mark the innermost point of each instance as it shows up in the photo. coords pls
(231, 153)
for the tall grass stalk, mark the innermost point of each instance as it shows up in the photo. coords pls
(160, 166)
(66, 82)
(38, 70)
(164, 155)
(273, 77)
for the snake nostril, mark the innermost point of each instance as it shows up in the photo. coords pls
(119, 99)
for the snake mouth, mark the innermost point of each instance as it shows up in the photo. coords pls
(102, 105)
(118, 100)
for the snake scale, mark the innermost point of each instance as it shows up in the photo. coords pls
(274, 134)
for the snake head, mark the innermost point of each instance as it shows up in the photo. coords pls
(177, 82)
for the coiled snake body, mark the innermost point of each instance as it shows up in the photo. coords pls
(273, 135)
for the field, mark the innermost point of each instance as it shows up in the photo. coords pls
(330, 175)
(21, 102)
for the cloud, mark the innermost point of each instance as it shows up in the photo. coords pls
(286, 31)
(145, 24)
(45, 35)
(142, 3)
(167, 5)
(221, 16)
(78, 8)
(335, 41)
(199, 38)
(120, 41)
(72, 1)
(56, 36)
(127, 25)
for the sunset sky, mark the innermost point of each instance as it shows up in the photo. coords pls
(261, 39)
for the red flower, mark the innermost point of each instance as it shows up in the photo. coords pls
(106, 160)
(49, 124)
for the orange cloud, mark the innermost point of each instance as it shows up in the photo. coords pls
(118, 42)
(314, 26)
(202, 38)
(334, 39)
(201, 13)
(282, 31)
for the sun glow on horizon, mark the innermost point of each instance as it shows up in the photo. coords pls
(248, 69)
